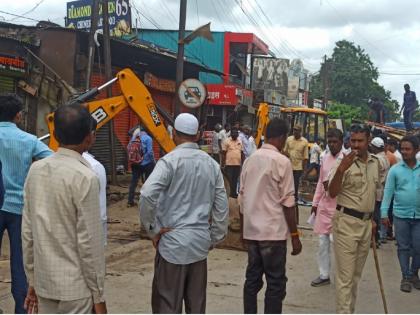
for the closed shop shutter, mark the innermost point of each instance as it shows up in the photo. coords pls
(102, 148)
(7, 84)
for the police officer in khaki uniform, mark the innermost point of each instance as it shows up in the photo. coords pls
(354, 182)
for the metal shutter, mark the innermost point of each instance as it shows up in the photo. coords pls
(7, 84)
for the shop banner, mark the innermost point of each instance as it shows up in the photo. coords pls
(12, 65)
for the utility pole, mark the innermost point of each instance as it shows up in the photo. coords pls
(108, 76)
(180, 56)
(91, 50)
(325, 81)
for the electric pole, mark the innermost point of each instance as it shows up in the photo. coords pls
(325, 74)
(180, 56)
(91, 50)
(108, 76)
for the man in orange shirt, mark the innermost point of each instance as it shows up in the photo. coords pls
(232, 159)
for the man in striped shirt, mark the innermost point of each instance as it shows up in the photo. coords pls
(17, 151)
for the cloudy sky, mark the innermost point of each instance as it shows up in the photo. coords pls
(388, 30)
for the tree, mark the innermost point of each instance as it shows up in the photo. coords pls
(351, 79)
(348, 113)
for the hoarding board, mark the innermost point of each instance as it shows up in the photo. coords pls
(270, 76)
(79, 16)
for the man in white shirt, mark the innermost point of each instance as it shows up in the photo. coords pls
(100, 172)
(215, 152)
(314, 158)
(223, 135)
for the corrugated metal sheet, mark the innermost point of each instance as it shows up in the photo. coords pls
(211, 53)
(7, 84)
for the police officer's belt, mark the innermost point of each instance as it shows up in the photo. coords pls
(354, 213)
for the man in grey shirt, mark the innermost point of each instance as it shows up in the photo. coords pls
(184, 208)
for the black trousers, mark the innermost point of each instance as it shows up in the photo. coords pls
(265, 258)
(233, 172)
(175, 284)
(296, 178)
(138, 171)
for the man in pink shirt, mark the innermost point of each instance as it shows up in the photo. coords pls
(267, 207)
(324, 206)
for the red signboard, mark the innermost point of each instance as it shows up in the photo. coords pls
(231, 95)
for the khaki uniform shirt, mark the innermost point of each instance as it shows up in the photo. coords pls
(297, 150)
(360, 185)
(62, 235)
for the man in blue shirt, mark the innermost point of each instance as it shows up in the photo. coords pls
(17, 151)
(145, 168)
(409, 107)
(403, 182)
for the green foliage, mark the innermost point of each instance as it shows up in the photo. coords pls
(347, 113)
(352, 80)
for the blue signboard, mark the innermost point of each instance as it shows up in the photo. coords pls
(79, 15)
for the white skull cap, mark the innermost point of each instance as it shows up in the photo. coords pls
(186, 123)
(377, 142)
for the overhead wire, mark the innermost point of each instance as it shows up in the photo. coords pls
(267, 22)
(255, 24)
(218, 15)
(232, 17)
(359, 34)
(174, 19)
(20, 16)
(29, 11)
(287, 46)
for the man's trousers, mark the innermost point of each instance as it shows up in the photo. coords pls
(174, 285)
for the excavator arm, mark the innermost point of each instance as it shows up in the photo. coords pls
(263, 121)
(134, 95)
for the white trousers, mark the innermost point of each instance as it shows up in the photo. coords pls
(324, 257)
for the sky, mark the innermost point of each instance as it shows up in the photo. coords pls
(388, 30)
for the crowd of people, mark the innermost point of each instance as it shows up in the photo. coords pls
(54, 209)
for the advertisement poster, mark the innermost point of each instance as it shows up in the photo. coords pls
(270, 75)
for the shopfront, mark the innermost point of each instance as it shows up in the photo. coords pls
(12, 69)
(227, 104)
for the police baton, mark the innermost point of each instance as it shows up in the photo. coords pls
(378, 272)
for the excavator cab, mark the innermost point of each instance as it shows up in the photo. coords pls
(312, 120)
